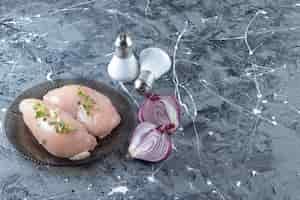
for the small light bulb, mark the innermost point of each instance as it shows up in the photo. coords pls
(154, 62)
(123, 66)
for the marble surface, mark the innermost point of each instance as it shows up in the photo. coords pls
(235, 65)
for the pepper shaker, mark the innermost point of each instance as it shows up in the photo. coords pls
(154, 62)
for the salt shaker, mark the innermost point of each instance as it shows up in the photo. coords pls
(123, 66)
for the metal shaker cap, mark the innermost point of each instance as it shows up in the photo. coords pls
(123, 45)
(144, 82)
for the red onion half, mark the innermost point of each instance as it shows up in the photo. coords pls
(162, 111)
(149, 144)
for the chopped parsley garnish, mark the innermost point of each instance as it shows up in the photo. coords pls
(41, 111)
(86, 101)
(62, 127)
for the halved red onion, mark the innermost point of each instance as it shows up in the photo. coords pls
(161, 110)
(149, 144)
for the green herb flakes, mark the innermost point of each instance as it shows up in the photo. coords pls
(62, 127)
(41, 111)
(86, 101)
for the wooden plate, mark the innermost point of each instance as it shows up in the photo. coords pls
(22, 139)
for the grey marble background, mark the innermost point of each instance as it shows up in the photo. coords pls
(237, 64)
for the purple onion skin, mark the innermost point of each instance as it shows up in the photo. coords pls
(142, 132)
(150, 101)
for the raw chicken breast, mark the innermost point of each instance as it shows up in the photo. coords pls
(57, 131)
(88, 106)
